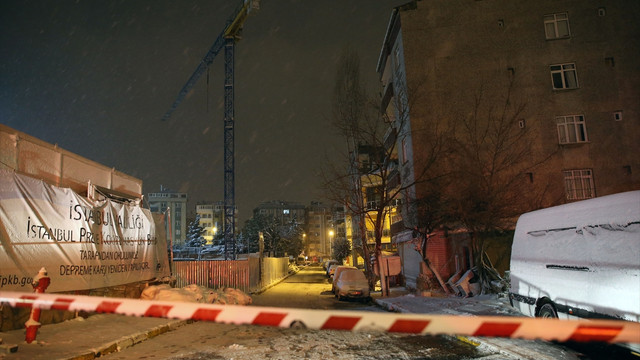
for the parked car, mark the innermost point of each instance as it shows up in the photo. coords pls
(337, 273)
(331, 270)
(351, 283)
(301, 261)
(327, 264)
(579, 260)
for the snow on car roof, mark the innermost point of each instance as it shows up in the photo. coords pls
(351, 274)
(617, 210)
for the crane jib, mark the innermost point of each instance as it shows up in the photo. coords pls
(234, 24)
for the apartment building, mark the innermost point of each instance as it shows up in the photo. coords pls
(283, 211)
(320, 231)
(173, 204)
(565, 71)
(212, 219)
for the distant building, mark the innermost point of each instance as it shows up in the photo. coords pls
(573, 64)
(320, 231)
(177, 204)
(283, 211)
(212, 219)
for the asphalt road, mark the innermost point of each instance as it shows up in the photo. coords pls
(310, 288)
(307, 289)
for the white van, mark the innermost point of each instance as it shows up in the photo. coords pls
(579, 260)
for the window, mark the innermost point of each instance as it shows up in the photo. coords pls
(564, 76)
(404, 151)
(396, 56)
(617, 116)
(556, 26)
(522, 123)
(579, 184)
(571, 129)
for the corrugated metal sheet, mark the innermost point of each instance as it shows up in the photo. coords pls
(213, 273)
(245, 275)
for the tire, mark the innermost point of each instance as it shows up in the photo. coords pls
(547, 311)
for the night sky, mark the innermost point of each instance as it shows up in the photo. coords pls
(96, 77)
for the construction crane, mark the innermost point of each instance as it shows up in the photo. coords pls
(227, 39)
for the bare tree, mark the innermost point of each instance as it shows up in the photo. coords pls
(364, 182)
(491, 164)
(342, 180)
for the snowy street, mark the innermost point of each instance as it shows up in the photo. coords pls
(310, 288)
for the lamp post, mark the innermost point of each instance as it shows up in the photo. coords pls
(305, 248)
(330, 243)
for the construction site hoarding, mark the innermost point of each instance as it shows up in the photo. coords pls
(31, 156)
(83, 243)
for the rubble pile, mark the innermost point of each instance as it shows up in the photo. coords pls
(196, 293)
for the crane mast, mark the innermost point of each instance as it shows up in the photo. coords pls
(227, 38)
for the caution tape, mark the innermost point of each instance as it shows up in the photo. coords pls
(610, 331)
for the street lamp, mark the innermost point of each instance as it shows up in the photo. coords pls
(330, 242)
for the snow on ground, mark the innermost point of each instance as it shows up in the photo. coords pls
(196, 293)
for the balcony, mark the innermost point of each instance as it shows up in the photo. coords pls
(397, 225)
(390, 138)
(393, 180)
(372, 205)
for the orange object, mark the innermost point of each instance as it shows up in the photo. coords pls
(40, 284)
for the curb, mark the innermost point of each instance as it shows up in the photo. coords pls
(267, 287)
(130, 340)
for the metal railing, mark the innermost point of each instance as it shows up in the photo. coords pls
(213, 273)
(246, 275)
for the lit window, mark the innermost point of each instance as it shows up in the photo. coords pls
(564, 76)
(579, 184)
(571, 129)
(556, 26)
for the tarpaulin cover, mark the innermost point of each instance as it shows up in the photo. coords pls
(82, 243)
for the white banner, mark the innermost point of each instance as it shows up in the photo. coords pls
(83, 244)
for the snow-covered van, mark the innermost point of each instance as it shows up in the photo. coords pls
(579, 260)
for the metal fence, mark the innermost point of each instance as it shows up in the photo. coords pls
(246, 275)
(213, 273)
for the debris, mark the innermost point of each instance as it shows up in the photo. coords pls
(196, 293)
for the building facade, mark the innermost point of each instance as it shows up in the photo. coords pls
(283, 211)
(176, 204)
(566, 71)
(373, 201)
(212, 220)
(320, 231)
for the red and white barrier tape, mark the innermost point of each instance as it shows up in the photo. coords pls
(611, 331)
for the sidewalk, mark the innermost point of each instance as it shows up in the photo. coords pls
(84, 338)
(104, 333)
(483, 305)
